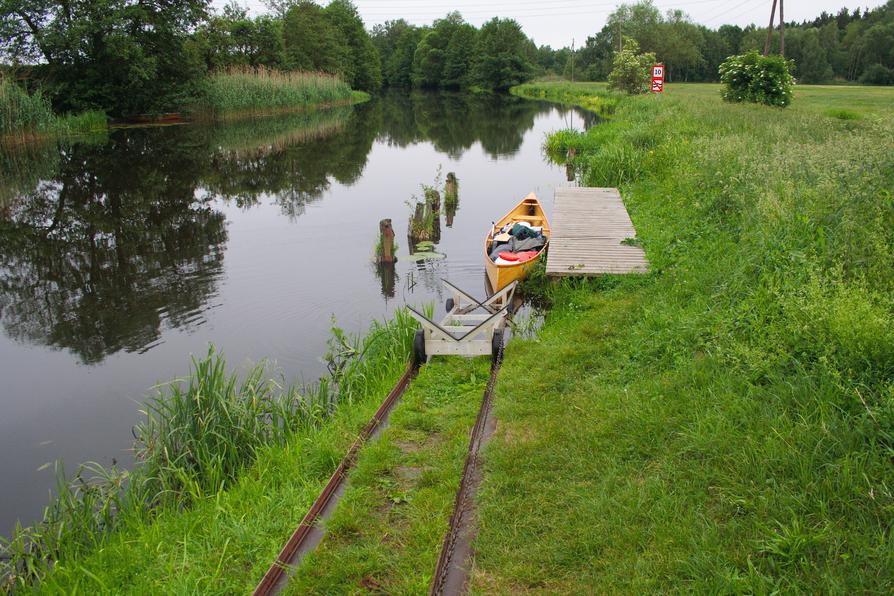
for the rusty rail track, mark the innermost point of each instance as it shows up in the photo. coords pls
(452, 571)
(308, 534)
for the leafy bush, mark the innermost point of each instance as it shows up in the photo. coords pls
(877, 74)
(631, 71)
(757, 79)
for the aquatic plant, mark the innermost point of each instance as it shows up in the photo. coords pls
(262, 89)
(24, 115)
(198, 435)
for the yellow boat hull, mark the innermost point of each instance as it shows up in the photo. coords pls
(529, 210)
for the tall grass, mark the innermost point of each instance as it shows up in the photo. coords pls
(739, 400)
(24, 115)
(258, 90)
(197, 437)
(593, 96)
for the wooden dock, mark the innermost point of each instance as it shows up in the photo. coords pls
(589, 230)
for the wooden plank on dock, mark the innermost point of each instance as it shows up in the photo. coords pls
(589, 227)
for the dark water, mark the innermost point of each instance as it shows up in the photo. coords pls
(120, 257)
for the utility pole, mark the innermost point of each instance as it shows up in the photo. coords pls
(781, 31)
(770, 29)
(620, 39)
(572, 59)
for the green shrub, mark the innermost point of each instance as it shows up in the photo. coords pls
(877, 74)
(631, 71)
(758, 79)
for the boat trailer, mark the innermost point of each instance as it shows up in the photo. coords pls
(464, 331)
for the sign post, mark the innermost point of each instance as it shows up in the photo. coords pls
(657, 78)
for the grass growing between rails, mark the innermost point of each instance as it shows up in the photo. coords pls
(385, 535)
(224, 472)
(27, 116)
(241, 91)
(726, 422)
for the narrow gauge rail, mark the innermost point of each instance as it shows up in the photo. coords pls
(452, 571)
(308, 534)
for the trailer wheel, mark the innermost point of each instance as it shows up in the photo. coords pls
(449, 304)
(419, 348)
(496, 344)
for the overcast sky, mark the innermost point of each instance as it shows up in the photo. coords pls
(556, 22)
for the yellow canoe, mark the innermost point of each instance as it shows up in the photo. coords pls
(530, 211)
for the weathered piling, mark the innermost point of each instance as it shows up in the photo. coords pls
(451, 198)
(569, 166)
(433, 200)
(385, 253)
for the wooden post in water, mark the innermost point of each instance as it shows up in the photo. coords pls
(569, 167)
(451, 198)
(386, 242)
(434, 203)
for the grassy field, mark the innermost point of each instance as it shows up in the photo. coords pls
(385, 536)
(726, 422)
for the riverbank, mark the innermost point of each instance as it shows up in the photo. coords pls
(726, 422)
(28, 117)
(219, 465)
(232, 95)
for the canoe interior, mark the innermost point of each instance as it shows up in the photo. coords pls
(528, 210)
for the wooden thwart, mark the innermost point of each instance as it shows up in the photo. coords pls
(589, 230)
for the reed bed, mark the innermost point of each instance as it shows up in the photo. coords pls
(198, 436)
(24, 116)
(262, 89)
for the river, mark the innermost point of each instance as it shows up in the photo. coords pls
(122, 256)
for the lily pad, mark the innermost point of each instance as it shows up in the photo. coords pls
(426, 256)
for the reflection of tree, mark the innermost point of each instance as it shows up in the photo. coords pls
(102, 245)
(292, 158)
(453, 122)
(97, 260)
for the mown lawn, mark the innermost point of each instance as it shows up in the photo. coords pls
(726, 422)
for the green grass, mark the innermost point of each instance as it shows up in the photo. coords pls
(25, 116)
(385, 536)
(726, 422)
(591, 96)
(242, 91)
(204, 442)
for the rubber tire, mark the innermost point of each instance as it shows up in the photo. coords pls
(419, 348)
(449, 304)
(496, 343)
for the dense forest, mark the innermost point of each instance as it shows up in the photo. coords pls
(852, 45)
(139, 56)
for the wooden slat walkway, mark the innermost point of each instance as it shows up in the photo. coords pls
(588, 227)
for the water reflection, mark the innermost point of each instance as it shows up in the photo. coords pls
(98, 258)
(104, 244)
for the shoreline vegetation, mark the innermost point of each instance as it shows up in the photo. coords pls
(235, 94)
(28, 117)
(724, 423)
(207, 442)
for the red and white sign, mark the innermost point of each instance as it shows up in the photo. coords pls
(657, 78)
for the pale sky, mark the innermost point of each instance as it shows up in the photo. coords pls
(556, 22)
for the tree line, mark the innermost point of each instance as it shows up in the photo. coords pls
(851, 45)
(137, 56)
